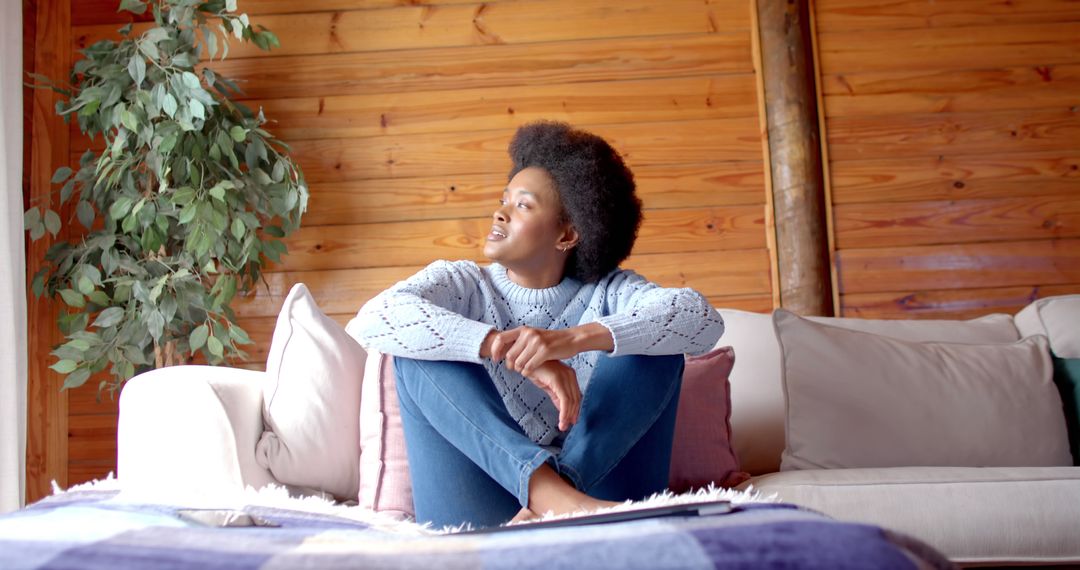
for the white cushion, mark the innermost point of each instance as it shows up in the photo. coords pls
(1058, 318)
(757, 397)
(1013, 515)
(312, 401)
(857, 399)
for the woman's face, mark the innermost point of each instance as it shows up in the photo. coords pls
(527, 232)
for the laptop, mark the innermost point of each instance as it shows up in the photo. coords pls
(700, 509)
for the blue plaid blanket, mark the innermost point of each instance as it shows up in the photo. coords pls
(91, 530)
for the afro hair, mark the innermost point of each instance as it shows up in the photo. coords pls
(596, 189)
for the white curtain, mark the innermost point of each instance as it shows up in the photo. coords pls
(12, 265)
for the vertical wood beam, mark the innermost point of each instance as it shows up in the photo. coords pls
(47, 406)
(798, 190)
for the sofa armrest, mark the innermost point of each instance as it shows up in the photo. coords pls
(191, 427)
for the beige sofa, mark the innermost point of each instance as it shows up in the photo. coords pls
(1004, 515)
(199, 427)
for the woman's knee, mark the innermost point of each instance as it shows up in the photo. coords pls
(661, 369)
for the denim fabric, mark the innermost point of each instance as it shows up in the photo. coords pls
(470, 462)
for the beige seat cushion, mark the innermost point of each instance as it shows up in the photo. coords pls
(990, 515)
(757, 397)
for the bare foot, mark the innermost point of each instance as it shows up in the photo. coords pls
(524, 515)
(548, 492)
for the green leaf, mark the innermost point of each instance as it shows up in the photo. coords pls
(198, 337)
(76, 379)
(169, 105)
(279, 171)
(31, 217)
(271, 38)
(129, 120)
(133, 6)
(237, 133)
(78, 344)
(65, 192)
(86, 286)
(120, 207)
(191, 81)
(197, 109)
(72, 298)
(64, 366)
(137, 70)
(275, 231)
(150, 49)
(37, 230)
(188, 214)
(52, 222)
(90, 108)
(109, 317)
(99, 297)
(61, 174)
(218, 193)
(155, 323)
(85, 212)
(238, 229)
(215, 346)
(230, 5)
(239, 335)
(38, 285)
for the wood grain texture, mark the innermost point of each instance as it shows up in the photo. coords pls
(957, 90)
(85, 400)
(381, 245)
(444, 69)
(460, 110)
(851, 15)
(479, 23)
(954, 134)
(958, 266)
(477, 152)
(949, 303)
(90, 12)
(47, 407)
(475, 195)
(489, 108)
(1005, 45)
(957, 177)
(92, 438)
(886, 224)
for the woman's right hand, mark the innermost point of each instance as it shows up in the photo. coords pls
(560, 383)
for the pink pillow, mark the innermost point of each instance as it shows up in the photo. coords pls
(385, 485)
(701, 453)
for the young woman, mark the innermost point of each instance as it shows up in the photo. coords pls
(549, 379)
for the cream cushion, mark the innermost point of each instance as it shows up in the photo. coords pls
(311, 402)
(1056, 317)
(988, 515)
(757, 397)
(858, 399)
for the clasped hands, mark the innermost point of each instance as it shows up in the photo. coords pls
(536, 354)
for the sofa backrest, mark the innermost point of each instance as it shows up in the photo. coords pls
(757, 398)
(1056, 317)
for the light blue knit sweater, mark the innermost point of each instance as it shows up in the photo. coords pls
(445, 311)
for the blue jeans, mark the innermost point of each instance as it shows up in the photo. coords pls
(470, 462)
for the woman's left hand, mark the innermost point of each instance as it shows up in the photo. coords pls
(526, 348)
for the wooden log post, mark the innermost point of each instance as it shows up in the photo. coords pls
(798, 189)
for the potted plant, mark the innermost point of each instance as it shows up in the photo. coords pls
(183, 206)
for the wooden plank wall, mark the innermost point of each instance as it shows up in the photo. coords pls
(952, 133)
(400, 114)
